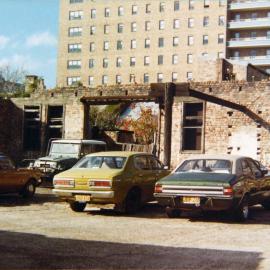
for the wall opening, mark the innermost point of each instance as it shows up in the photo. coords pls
(192, 126)
(32, 132)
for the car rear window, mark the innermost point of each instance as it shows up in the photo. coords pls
(206, 165)
(99, 162)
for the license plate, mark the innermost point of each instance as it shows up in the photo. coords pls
(191, 200)
(82, 198)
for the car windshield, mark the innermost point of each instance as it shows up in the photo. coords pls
(62, 149)
(99, 162)
(205, 165)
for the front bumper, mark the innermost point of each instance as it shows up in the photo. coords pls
(207, 203)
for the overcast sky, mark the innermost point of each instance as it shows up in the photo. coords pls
(28, 36)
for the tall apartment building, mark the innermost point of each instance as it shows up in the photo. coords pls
(143, 41)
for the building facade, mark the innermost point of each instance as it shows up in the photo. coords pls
(143, 41)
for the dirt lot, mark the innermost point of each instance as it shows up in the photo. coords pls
(45, 234)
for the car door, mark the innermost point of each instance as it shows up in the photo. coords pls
(144, 176)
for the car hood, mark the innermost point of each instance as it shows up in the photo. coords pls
(56, 158)
(82, 173)
(198, 179)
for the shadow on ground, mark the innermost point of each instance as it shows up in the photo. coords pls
(32, 251)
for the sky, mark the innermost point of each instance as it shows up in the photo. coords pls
(28, 37)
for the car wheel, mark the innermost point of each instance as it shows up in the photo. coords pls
(172, 212)
(29, 190)
(133, 201)
(266, 205)
(241, 213)
(77, 206)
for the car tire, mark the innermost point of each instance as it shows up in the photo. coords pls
(132, 202)
(172, 212)
(266, 205)
(28, 190)
(77, 206)
(241, 213)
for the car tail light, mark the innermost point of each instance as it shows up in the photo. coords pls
(158, 188)
(227, 191)
(100, 183)
(63, 182)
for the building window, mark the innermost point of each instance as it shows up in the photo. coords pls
(160, 42)
(192, 126)
(159, 77)
(91, 80)
(106, 45)
(190, 22)
(76, 15)
(222, 3)
(221, 20)
(91, 63)
(74, 64)
(147, 8)
(175, 41)
(220, 55)
(133, 27)
(73, 80)
(147, 60)
(121, 11)
(133, 44)
(118, 62)
(176, 24)
(93, 13)
(220, 38)
(106, 29)
(107, 12)
(118, 79)
(160, 59)
(191, 4)
(205, 54)
(253, 34)
(205, 21)
(132, 78)
(189, 58)
(75, 1)
(120, 28)
(119, 45)
(190, 40)
(176, 5)
(132, 61)
(146, 78)
(253, 53)
(205, 39)
(147, 43)
(134, 9)
(105, 62)
(162, 7)
(147, 26)
(254, 15)
(175, 59)
(174, 76)
(75, 48)
(104, 79)
(206, 3)
(189, 75)
(75, 31)
(92, 47)
(92, 30)
(161, 25)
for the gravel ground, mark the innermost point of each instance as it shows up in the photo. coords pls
(45, 234)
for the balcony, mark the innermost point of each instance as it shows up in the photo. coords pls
(263, 60)
(249, 42)
(249, 5)
(250, 23)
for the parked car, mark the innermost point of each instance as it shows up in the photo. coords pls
(213, 183)
(13, 180)
(63, 154)
(125, 179)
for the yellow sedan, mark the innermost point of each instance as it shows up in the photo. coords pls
(125, 179)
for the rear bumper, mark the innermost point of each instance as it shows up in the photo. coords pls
(211, 203)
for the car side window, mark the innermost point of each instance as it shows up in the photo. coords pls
(6, 164)
(256, 171)
(245, 167)
(141, 163)
(155, 164)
